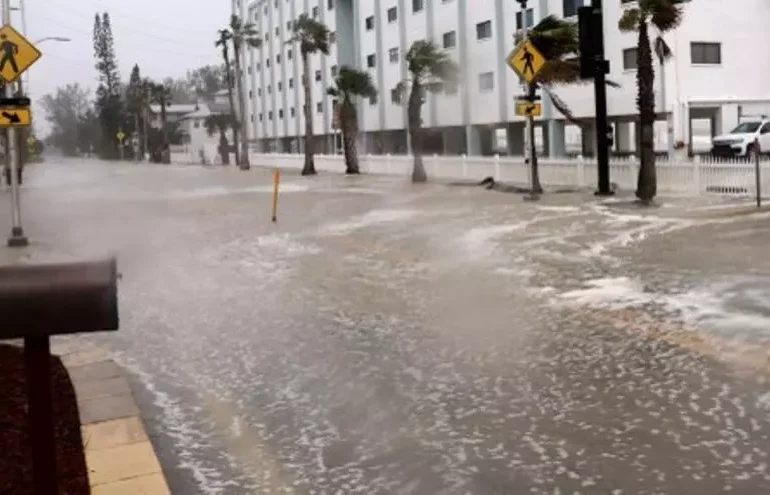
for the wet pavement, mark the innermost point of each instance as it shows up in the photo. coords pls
(384, 338)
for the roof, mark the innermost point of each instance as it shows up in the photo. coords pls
(181, 109)
(206, 109)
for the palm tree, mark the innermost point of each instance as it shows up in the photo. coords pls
(242, 34)
(558, 40)
(221, 123)
(313, 37)
(430, 69)
(348, 85)
(161, 95)
(664, 15)
(223, 42)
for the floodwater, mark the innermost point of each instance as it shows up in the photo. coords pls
(385, 338)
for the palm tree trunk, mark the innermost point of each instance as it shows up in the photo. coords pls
(244, 162)
(646, 187)
(349, 126)
(415, 133)
(535, 169)
(224, 146)
(229, 80)
(309, 167)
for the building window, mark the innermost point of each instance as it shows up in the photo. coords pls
(373, 99)
(334, 71)
(418, 5)
(291, 82)
(450, 39)
(571, 7)
(392, 14)
(393, 55)
(370, 60)
(486, 81)
(270, 115)
(484, 30)
(450, 88)
(278, 59)
(260, 116)
(267, 63)
(259, 91)
(288, 25)
(629, 59)
(269, 89)
(267, 37)
(315, 12)
(288, 54)
(251, 94)
(530, 15)
(292, 112)
(706, 53)
(280, 113)
(330, 4)
(318, 75)
(197, 122)
(369, 23)
(280, 86)
(319, 107)
(395, 97)
(277, 32)
(332, 37)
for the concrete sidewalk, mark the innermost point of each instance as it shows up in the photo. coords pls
(119, 455)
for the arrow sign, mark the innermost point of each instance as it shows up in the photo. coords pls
(15, 117)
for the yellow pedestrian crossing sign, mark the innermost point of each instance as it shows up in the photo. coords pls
(527, 109)
(17, 54)
(526, 61)
(120, 135)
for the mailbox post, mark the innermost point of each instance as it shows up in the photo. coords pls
(36, 302)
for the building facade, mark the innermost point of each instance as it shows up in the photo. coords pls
(712, 76)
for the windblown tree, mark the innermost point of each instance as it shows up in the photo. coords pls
(219, 123)
(664, 16)
(312, 37)
(207, 81)
(64, 110)
(430, 69)
(242, 35)
(161, 95)
(223, 42)
(349, 85)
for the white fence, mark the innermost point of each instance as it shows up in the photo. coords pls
(685, 176)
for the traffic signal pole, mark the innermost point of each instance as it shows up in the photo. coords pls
(601, 69)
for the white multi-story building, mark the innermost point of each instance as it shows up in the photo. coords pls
(714, 74)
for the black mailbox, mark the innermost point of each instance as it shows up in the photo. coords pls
(45, 300)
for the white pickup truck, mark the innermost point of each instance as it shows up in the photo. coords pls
(743, 140)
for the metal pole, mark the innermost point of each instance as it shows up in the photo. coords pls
(600, 94)
(757, 172)
(17, 238)
(669, 117)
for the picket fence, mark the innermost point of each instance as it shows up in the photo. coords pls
(700, 175)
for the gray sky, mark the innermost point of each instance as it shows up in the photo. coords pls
(165, 37)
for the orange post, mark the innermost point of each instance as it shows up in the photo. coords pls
(276, 182)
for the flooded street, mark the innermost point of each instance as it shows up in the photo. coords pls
(385, 338)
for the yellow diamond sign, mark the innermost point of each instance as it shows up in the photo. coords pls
(17, 54)
(526, 61)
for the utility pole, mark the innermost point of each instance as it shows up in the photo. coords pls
(144, 124)
(593, 65)
(17, 238)
(530, 95)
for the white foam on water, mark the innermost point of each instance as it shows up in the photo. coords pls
(479, 239)
(370, 219)
(616, 293)
(286, 244)
(213, 191)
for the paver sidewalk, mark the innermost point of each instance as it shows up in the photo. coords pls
(119, 455)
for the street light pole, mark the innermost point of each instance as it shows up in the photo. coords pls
(17, 238)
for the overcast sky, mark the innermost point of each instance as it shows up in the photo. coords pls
(165, 37)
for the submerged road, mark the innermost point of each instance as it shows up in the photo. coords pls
(384, 338)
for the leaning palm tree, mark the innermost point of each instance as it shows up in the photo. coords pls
(223, 42)
(313, 37)
(221, 123)
(559, 42)
(242, 35)
(430, 69)
(664, 15)
(349, 85)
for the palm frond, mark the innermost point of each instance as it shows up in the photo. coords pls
(630, 20)
(560, 105)
(665, 15)
(662, 50)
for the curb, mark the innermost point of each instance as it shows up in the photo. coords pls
(119, 456)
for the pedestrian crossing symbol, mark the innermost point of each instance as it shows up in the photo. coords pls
(17, 54)
(526, 61)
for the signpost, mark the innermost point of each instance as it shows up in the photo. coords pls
(17, 54)
(526, 108)
(121, 136)
(527, 61)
